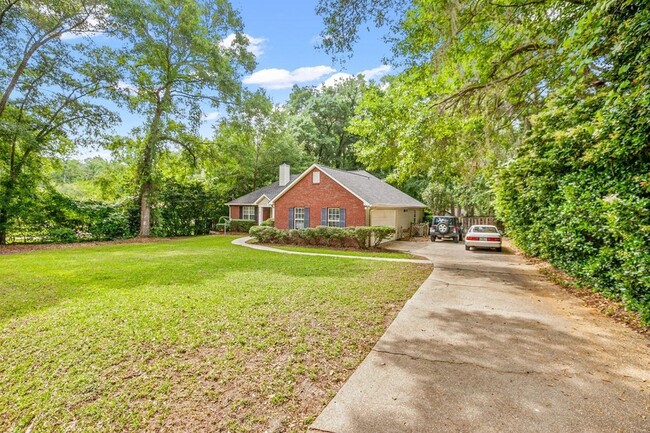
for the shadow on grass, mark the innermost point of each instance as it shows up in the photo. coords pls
(32, 282)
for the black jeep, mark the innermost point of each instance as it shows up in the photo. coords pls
(446, 227)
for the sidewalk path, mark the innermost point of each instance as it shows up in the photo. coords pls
(244, 243)
(487, 345)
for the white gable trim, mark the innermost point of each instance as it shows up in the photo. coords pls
(304, 174)
(257, 202)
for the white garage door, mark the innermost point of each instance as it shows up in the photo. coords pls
(382, 217)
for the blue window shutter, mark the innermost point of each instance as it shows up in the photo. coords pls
(306, 217)
(323, 216)
(290, 218)
(342, 220)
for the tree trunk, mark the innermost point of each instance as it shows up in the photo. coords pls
(146, 187)
(146, 167)
(4, 219)
(145, 209)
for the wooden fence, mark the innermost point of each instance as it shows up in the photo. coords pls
(485, 220)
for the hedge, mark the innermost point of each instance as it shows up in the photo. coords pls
(241, 225)
(324, 236)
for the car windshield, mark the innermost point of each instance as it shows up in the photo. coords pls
(485, 229)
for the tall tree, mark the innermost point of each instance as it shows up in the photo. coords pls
(321, 117)
(177, 62)
(252, 142)
(48, 86)
(474, 73)
(30, 27)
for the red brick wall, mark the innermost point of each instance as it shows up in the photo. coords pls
(234, 212)
(325, 194)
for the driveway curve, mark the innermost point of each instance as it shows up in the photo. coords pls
(488, 345)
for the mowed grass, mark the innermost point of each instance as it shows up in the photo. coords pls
(186, 335)
(340, 252)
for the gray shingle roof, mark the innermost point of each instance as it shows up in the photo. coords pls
(370, 189)
(270, 191)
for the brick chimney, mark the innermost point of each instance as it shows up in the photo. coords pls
(285, 173)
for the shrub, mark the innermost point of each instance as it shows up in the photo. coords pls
(241, 225)
(62, 235)
(381, 233)
(115, 225)
(361, 235)
(269, 222)
(323, 235)
(265, 234)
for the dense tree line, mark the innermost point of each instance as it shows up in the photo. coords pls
(537, 110)
(172, 65)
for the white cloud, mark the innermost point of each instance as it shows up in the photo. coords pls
(254, 44)
(129, 88)
(336, 79)
(283, 79)
(368, 74)
(378, 72)
(210, 116)
(92, 27)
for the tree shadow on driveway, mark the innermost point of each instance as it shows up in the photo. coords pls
(479, 371)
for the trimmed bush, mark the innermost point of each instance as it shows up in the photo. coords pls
(241, 225)
(324, 236)
(268, 235)
(269, 222)
(381, 233)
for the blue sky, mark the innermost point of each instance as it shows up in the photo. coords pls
(283, 36)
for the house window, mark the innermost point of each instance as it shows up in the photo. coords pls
(333, 217)
(315, 177)
(248, 213)
(299, 218)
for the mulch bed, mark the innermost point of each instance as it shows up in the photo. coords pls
(608, 307)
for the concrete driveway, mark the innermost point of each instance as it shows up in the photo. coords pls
(487, 345)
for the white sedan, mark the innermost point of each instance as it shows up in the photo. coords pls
(482, 236)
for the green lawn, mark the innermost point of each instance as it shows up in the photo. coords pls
(186, 335)
(372, 253)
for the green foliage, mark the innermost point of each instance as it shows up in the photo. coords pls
(251, 143)
(62, 235)
(269, 222)
(185, 208)
(325, 236)
(241, 226)
(113, 222)
(578, 194)
(381, 233)
(267, 234)
(176, 64)
(320, 118)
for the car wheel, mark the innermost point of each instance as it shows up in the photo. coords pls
(499, 249)
(456, 239)
(466, 248)
(433, 238)
(443, 228)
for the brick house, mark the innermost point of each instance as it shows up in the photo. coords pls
(330, 197)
